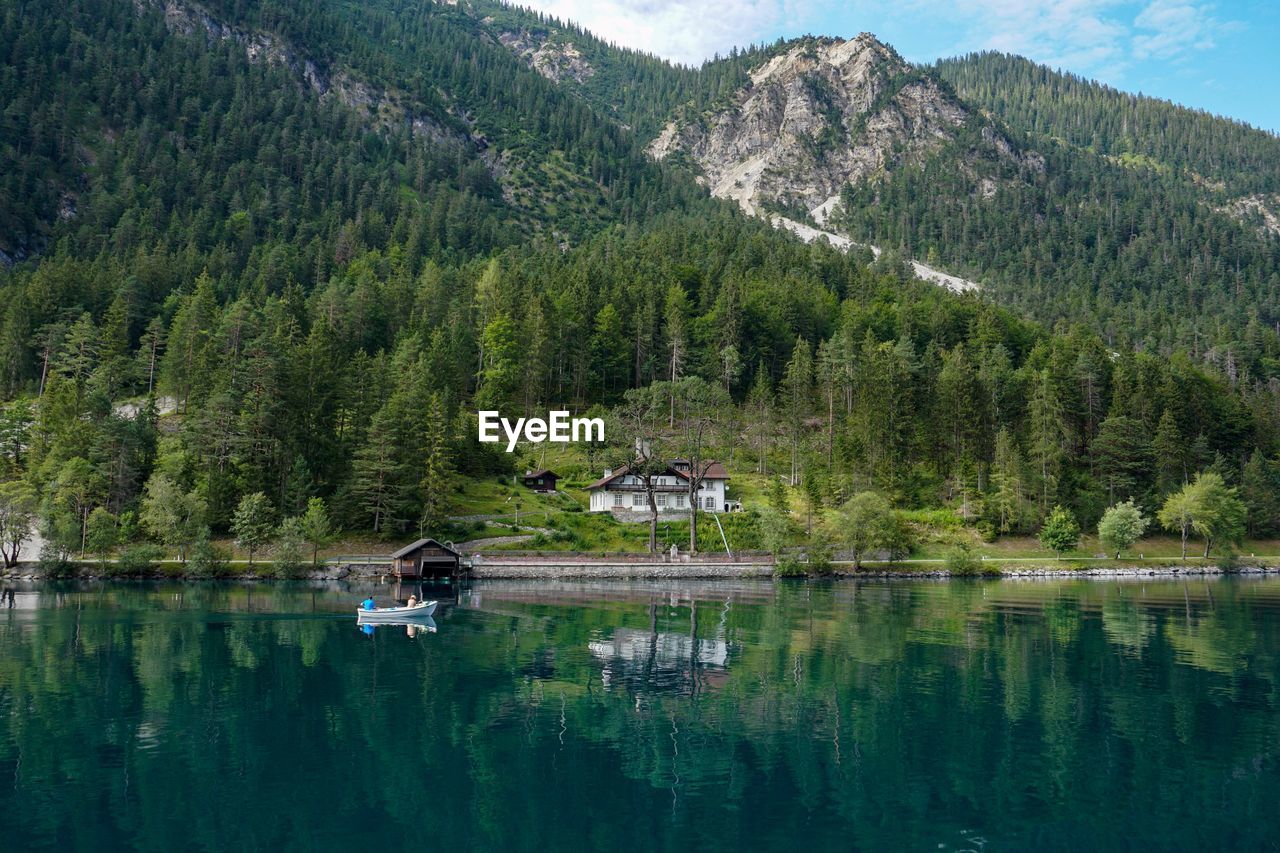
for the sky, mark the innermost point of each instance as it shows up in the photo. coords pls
(1218, 56)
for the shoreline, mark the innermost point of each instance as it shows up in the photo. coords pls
(634, 570)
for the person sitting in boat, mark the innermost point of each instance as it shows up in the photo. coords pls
(413, 601)
(368, 604)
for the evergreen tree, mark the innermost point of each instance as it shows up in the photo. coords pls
(759, 405)
(797, 393)
(1260, 490)
(1169, 449)
(1060, 532)
(378, 473)
(316, 527)
(437, 469)
(1048, 437)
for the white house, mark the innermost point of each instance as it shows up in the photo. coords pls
(621, 490)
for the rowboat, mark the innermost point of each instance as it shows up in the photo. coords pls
(383, 615)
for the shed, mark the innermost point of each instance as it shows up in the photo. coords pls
(540, 481)
(425, 558)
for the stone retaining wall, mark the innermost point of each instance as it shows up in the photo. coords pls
(531, 569)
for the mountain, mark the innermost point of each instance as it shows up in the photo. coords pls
(826, 113)
(1214, 153)
(321, 234)
(1068, 200)
(380, 108)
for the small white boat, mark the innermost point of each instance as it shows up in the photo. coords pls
(396, 614)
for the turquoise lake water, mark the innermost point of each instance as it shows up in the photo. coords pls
(979, 715)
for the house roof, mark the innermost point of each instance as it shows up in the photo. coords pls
(713, 471)
(609, 478)
(545, 472)
(422, 543)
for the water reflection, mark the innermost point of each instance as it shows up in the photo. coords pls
(412, 630)
(1052, 714)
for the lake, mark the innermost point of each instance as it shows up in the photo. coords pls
(983, 715)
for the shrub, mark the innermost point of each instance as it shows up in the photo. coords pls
(57, 566)
(938, 519)
(1060, 531)
(289, 552)
(171, 569)
(820, 563)
(962, 562)
(790, 567)
(901, 538)
(207, 560)
(139, 560)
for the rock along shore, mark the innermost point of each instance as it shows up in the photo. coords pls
(548, 569)
(688, 569)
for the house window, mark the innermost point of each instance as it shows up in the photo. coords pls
(711, 503)
(680, 501)
(662, 500)
(617, 498)
(637, 499)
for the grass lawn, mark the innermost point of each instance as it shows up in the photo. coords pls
(1028, 547)
(560, 523)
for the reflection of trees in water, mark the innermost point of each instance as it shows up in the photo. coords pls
(824, 706)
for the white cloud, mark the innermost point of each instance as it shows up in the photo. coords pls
(1172, 28)
(686, 31)
(1102, 38)
(1070, 33)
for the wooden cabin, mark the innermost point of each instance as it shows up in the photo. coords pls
(540, 481)
(425, 558)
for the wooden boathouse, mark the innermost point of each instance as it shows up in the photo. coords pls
(426, 558)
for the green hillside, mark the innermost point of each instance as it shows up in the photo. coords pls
(287, 248)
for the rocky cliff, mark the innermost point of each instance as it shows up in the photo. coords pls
(822, 114)
(555, 60)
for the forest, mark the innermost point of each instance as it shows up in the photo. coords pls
(240, 308)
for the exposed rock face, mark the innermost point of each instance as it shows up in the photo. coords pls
(554, 60)
(813, 119)
(1261, 211)
(384, 108)
(922, 271)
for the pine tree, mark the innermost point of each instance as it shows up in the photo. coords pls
(677, 341)
(1048, 438)
(1169, 450)
(1260, 490)
(759, 404)
(437, 469)
(317, 527)
(797, 392)
(1008, 500)
(1060, 532)
(378, 473)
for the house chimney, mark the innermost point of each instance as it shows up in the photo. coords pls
(608, 472)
